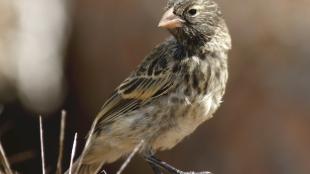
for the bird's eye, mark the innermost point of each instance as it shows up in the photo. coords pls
(192, 12)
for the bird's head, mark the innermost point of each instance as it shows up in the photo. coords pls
(191, 21)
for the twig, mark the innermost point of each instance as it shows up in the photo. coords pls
(125, 164)
(86, 145)
(4, 163)
(195, 173)
(73, 153)
(42, 146)
(61, 142)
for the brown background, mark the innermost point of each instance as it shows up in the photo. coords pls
(263, 124)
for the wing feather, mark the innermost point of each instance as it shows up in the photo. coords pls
(134, 92)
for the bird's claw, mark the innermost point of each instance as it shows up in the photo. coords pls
(156, 164)
(181, 172)
(205, 172)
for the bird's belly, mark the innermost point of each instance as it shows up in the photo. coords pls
(182, 120)
(162, 125)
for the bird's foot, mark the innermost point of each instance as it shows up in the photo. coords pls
(192, 172)
(155, 168)
(157, 164)
(205, 172)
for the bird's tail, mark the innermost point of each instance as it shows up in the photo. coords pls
(91, 168)
(94, 157)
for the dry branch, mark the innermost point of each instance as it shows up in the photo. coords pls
(73, 153)
(42, 146)
(61, 141)
(86, 146)
(125, 164)
(4, 163)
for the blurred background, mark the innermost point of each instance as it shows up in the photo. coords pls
(71, 55)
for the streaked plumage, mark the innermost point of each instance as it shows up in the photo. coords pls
(178, 86)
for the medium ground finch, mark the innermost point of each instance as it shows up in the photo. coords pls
(178, 86)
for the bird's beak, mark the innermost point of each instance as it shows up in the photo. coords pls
(170, 20)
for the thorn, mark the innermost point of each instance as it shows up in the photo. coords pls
(61, 141)
(125, 164)
(42, 145)
(73, 153)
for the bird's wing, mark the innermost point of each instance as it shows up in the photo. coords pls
(153, 78)
(134, 92)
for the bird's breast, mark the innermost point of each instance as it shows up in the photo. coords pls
(197, 98)
(181, 117)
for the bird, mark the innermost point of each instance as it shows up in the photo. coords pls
(178, 86)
